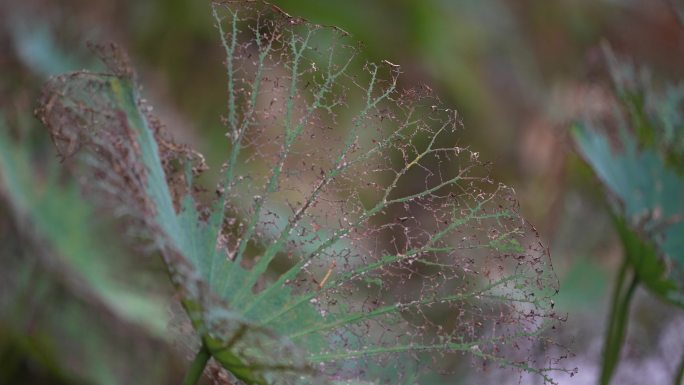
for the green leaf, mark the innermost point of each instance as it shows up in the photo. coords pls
(648, 205)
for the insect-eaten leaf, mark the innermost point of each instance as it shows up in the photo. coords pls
(300, 271)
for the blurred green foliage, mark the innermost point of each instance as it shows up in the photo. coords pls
(61, 285)
(638, 159)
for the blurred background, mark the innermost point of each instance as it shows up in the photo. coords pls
(519, 72)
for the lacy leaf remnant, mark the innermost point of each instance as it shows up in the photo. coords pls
(353, 238)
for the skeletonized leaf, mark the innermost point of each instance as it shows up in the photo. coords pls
(354, 238)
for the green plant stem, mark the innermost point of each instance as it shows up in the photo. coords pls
(679, 376)
(617, 323)
(197, 367)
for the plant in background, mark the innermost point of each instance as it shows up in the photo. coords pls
(639, 161)
(351, 237)
(61, 282)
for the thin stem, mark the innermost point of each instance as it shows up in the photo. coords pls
(680, 372)
(197, 367)
(610, 330)
(617, 323)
